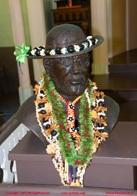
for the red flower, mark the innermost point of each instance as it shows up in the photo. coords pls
(83, 161)
(86, 134)
(67, 146)
(51, 92)
(77, 162)
(65, 129)
(60, 121)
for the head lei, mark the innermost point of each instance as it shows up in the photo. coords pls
(71, 148)
(62, 41)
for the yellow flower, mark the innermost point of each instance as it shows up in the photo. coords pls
(48, 107)
(51, 149)
(52, 127)
(93, 114)
(100, 108)
(41, 77)
(77, 183)
(103, 136)
(36, 88)
(95, 145)
(46, 116)
(43, 100)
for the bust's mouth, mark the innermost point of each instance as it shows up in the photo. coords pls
(76, 82)
(76, 79)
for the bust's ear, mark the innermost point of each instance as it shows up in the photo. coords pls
(46, 63)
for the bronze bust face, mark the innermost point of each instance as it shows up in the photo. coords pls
(69, 71)
(69, 74)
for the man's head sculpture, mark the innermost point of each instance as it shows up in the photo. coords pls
(66, 58)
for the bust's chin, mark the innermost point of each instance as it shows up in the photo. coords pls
(76, 90)
(73, 90)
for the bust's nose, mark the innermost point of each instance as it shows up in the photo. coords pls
(76, 69)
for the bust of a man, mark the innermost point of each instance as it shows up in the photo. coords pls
(70, 111)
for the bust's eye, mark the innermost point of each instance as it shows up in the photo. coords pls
(66, 62)
(84, 61)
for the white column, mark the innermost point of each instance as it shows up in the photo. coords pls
(37, 31)
(54, 5)
(25, 88)
(127, 25)
(99, 27)
(109, 28)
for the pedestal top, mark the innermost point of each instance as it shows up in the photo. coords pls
(119, 148)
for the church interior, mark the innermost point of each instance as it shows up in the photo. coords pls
(113, 64)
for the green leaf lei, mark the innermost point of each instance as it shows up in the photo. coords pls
(73, 157)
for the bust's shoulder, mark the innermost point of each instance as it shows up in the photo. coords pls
(112, 107)
(27, 115)
(27, 109)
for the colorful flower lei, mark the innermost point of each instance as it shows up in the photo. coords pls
(90, 125)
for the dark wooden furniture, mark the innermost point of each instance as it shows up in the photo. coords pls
(78, 16)
(114, 165)
(62, 3)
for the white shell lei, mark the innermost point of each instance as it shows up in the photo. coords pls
(64, 49)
